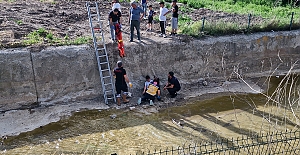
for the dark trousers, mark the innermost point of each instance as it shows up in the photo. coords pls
(172, 91)
(148, 96)
(135, 24)
(162, 26)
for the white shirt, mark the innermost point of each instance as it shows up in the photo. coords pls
(116, 5)
(162, 11)
(147, 84)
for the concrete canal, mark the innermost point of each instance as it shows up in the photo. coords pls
(144, 128)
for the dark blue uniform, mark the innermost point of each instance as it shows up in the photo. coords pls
(176, 88)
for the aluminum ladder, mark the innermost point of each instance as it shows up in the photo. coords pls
(106, 77)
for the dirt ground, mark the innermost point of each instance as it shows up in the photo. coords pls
(69, 18)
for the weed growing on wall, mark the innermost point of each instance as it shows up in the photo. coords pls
(42, 36)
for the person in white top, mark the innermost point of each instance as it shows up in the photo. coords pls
(147, 82)
(162, 19)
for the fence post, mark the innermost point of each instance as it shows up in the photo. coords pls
(203, 21)
(291, 21)
(249, 21)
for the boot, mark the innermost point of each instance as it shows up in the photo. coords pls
(124, 99)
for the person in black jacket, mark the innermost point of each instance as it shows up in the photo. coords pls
(114, 17)
(121, 83)
(173, 85)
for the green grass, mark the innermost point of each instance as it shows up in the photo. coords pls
(265, 10)
(124, 1)
(275, 15)
(42, 36)
(19, 22)
(7, 1)
(218, 28)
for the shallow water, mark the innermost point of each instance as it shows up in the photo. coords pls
(149, 128)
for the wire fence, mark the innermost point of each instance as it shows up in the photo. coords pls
(272, 144)
(219, 23)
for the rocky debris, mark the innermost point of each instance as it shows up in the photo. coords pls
(179, 123)
(113, 116)
(131, 108)
(3, 138)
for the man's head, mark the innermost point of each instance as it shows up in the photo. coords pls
(134, 4)
(116, 10)
(150, 7)
(147, 78)
(174, 2)
(119, 63)
(161, 4)
(171, 74)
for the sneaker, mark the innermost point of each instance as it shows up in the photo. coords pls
(161, 35)
(172, 34)
(139, 41)
(148, 30)
(139, 101)
(145, 18)
(165, 36)
(131, 41)
(151, 102)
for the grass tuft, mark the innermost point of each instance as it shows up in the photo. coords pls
(42, 36)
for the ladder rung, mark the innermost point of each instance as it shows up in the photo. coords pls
(90, 4)
(106, 77)
(103, 63)
(108, 84)
(108, 91)
(105, 70)
(100, 49)
(110, 98)
(98, 34)
(93, 15)
(97, 28)
(101, 56)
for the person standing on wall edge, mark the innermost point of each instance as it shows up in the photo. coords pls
(121, 83)
(162, 19)
(135, 18)
(144, 5)
(114, 18)
(174, 20)
(173, 85)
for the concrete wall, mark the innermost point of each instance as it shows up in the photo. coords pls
(69, 73)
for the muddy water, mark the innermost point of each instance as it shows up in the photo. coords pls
(148, 128)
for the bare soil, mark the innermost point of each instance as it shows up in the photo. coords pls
(69, 18)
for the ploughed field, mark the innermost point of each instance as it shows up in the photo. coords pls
(63, 20)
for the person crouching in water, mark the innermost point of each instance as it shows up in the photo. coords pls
(153, 90)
